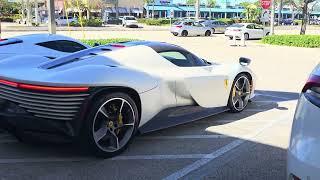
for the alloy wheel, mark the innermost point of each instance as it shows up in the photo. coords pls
(114, 124)
(241, 93)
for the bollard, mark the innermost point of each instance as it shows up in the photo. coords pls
(234, 41)
(243, 40)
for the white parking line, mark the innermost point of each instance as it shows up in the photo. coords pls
(209, 157)
(183, 137)
(257, 94)
(41, 160)
(160, 157)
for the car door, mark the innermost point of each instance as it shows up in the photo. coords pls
(251, 31)
(197, 80)
(222, 26)
(259, 30)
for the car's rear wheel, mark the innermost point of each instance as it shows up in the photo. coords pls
(246, 36)
(184, 33)
(175, 34)
(240, 93)
(207, 33)
(110, 125)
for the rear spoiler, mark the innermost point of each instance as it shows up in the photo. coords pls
(4, 42)
(244, 61)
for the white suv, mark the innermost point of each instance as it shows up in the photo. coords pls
(129, 21)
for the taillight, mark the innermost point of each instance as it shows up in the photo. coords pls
(3, 40)
(312, 90)
(179, 26)
(236, 29)
(312, 83)
(118, 45)
(44, 88)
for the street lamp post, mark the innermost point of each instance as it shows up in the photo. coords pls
(197, 5)
(51, 17)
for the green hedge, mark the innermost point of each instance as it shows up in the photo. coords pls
(309, 41)
(11, 18)
(156, 22)
(92, 42)
(90, 23)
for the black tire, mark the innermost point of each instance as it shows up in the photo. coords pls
(87, 138)
(231, 104)
(184, 33)
(268, 34)
(207, 33)
(213, 30)
(175, 34)
(246, 36)
(230, 37)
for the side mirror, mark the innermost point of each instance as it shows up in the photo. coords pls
(244, 61)
(209, 63)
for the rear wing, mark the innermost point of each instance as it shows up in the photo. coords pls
(244, 61)
(4, 42)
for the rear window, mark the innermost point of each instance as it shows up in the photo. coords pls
(177, 23)
(237, 25)
(63, 46)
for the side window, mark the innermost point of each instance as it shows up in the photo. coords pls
(196, 60)
(177, 58)
(63, 46)
(223, 23)
(258, 27)
(250, 26)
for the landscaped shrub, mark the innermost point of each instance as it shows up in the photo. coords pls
(91, 23)
(11, 18)
(157, 22)
(309, 41)
(92, 42)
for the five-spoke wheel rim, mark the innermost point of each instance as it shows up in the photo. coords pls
(113, 124)
(241, 93)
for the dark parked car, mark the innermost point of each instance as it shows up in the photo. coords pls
(113, 20)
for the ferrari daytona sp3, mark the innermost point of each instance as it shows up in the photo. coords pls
(101, 97)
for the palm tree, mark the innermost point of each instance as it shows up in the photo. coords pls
(147, 2)
(211, 4)
(190, 3)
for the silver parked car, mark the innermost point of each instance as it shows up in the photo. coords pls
(215, 25)
(190, 28)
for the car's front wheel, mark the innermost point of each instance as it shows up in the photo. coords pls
(207, 33)
(184, 33)
(111, 124)
(240, 93)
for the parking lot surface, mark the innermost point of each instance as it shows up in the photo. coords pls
(248, 145)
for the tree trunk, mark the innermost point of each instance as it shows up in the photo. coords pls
(304, 19)
(148, 16)
(280, 12)
(152, 10)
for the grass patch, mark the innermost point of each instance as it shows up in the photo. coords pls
(308, 41)
(92, 42)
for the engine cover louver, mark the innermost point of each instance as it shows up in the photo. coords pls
(57, 106)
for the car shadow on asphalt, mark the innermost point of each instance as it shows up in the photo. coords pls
(264, 101)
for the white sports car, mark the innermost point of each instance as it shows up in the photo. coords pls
(51, 46)
(303, 152)
(102, 96)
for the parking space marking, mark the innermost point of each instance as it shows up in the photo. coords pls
(41, 160)
(209, 157)
(183, 137)
(267, 95)
(160, 157)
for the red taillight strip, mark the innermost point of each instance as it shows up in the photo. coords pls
(118, 45)
(313, 81)
(44, 88)
(9, 83)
